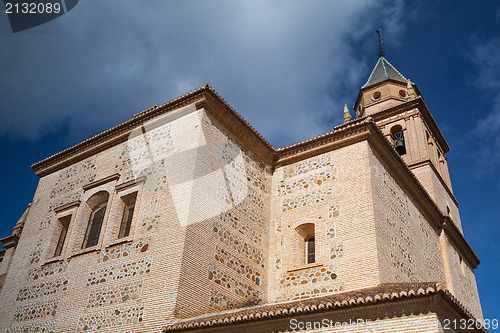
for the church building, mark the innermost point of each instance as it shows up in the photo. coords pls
(185, 219)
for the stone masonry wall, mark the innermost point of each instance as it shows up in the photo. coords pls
(199, 184)
(408, 245)
(464, 282)
(234, 239)
(213, 229)
(430, 180)
(332, 192)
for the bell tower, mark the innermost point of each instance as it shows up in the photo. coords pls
(397, 107)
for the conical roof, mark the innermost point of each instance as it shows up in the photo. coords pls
(383, 71)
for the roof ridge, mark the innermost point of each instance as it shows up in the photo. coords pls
(387, 61)
(371, 74)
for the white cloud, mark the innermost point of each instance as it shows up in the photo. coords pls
(487, 130)
(287, 66)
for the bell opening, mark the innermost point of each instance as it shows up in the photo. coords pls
(399, 143)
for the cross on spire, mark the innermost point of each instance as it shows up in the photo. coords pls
(380, 42)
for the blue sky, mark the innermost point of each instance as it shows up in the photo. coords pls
(287, 67)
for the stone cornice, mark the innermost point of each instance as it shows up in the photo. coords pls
(457, 238)
(343, 135)
(130, 183)
(438, 175)
(67, 206)
(100, 182)
(10, 241)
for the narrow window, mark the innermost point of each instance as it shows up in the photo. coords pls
(306, 244)
(311, 251)
(462, 266)
(94, 226)
(128, 214)
(64, 224)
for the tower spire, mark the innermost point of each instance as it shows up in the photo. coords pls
(380, 42)
(347, 114)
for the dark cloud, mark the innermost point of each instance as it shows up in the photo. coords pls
(284, 65)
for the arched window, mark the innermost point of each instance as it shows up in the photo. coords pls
(97, 203)
(399, 139)
(305, 235)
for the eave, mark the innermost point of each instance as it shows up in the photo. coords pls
(369, 303)
(204, 96)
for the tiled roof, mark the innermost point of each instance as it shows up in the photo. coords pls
(380, 293)
(382, 71)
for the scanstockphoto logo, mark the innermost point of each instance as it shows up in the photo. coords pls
(409, 324)
(205, 177)
(26, 14)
